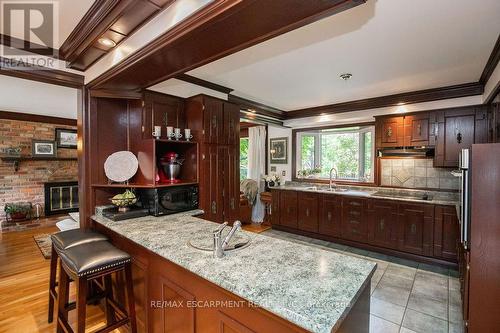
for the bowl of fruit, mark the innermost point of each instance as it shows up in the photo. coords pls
(124, 200)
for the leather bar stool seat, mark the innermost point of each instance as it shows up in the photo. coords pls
(67, 239)
(91, 262)
(92, 257)
(61, 241)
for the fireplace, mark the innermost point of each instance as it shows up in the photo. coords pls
(61, 197)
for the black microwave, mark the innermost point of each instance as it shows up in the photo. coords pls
(169, 200)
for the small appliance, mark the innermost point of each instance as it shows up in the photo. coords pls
(171, 166)
(169, 200)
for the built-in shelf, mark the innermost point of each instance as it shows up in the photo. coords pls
(18, 159)
(175, 141)
(143, 186)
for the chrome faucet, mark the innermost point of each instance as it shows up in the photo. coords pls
(331, 183)
(219, 244)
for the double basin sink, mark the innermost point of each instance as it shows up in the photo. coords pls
(389, 194)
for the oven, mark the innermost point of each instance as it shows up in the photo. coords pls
(169, 200)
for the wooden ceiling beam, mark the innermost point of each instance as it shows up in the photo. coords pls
(203, 83)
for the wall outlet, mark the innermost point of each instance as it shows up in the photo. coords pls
(283, 173)
(273, 169)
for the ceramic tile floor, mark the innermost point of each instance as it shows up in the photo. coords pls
(406, 296)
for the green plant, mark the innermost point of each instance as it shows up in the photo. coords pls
(17, 208)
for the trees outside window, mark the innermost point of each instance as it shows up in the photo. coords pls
(243, 158)
(350, 150)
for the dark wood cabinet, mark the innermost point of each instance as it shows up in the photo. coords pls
(307, 214)
(288, 209)
(161, 110)
(389, 132)
(446, 232)
(417, 129)
(458, 129)
(354, 222)
(330, 215)
(274, 212)
(383, 223)
(214, 123)
(416, 228)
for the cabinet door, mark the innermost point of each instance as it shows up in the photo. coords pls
(232, 184)
(160, 110)
(354, 224)
(446, 232)
(288, 209)
(212, 184)
(459, 134)
(383, 223)
(307, 214)
(390, 132)
(417, 129)
(416, 228)
(140, 278)
(231, 133)
(275, 207)
(330, 215)
(213, 120)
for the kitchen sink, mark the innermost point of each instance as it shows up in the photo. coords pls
(403, 195)
(205, 242)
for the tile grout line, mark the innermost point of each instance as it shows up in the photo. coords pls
(408, 300)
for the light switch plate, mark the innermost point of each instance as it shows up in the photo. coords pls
(283, 173)
(273, 169)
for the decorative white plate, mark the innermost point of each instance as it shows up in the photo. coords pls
(121, 166)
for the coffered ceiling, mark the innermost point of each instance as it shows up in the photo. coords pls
(389, 46)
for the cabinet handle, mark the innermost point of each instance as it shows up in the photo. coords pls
(165, 119)
(413, 228)
(354, 212)
(459, 137)
(382, 224)
(214, 207)
(419, 129)
(354, 203)
(288, 210)
(232, 203)
(388, 133)
(307, 212)
(329, 216)
(436, 129)
(214, 121)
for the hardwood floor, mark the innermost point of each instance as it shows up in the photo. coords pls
(24, 275)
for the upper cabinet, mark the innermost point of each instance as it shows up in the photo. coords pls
(417, 129)
(212, 120)
(403, 131)
(458, 129)
(389, 132)
(161, 110)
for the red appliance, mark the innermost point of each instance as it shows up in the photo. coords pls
(170, 168)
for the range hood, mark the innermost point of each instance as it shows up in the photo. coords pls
(407, 151)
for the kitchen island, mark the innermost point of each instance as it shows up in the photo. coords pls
(272, 285)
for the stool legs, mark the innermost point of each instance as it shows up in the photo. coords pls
(52, 283)
(81, 304)
(130, 297)
(62, 300)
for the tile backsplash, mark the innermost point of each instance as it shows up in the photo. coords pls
(416, 173)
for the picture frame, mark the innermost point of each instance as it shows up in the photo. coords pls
(43, 148)
(66, 138)
(278, 150)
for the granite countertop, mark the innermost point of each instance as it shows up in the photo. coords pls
(438, 198)
(308, 286)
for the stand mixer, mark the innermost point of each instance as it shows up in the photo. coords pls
(171, 165)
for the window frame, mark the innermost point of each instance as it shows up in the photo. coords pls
(314, 131)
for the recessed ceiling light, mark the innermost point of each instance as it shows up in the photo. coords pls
(345, 76)
(106, 42)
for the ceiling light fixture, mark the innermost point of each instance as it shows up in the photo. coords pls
(345, 76)
(106, 42)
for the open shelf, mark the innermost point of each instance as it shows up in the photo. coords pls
(143, 186)
(18, 159)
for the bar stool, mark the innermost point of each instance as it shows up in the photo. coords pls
(85, 263)
(64, 240)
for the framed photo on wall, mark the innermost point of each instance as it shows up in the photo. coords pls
(43, 148)
(278, 150)
(66, 138)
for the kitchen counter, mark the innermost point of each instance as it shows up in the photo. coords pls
(312, 288)
(438, 198)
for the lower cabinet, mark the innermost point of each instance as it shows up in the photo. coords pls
(416, 228)
(307, 214)
(354, 222)
(446, 232)
(383, 223)
(288, 209)
(330, 215)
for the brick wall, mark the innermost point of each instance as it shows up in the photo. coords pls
(27, 183)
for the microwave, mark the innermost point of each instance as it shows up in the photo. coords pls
(169, 200)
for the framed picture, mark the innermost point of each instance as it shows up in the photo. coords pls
(43, 148)
(66, 138)
(278, 150)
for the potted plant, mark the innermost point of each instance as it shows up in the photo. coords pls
(271, 180)
(17, 211)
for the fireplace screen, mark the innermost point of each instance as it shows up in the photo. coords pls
(61, 197)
